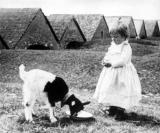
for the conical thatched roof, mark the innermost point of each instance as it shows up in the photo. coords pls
(39, 32)
(3, 44)
(111, 20)
(159, 24)
(152, 28)
(129, 22)
(13, 23)
(140, 28)
(72, 33)
(88, 24)
(102, 31)
(59, 23)
(21, 28)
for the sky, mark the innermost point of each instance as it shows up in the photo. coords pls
(138, 9)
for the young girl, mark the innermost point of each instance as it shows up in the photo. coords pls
(118, 85)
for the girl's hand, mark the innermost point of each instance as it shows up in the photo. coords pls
(107, 65)
(103, 63)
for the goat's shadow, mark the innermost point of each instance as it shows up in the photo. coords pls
(141, 120)
(63, 121)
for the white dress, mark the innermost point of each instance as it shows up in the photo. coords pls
(119, 85)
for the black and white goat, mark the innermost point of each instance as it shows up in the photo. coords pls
(49, 89)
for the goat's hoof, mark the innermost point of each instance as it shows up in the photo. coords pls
(34, 115)
(53, 120)
(30, 121)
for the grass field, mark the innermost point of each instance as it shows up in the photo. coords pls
(80, 69)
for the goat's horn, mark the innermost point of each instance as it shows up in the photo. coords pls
(85, 103)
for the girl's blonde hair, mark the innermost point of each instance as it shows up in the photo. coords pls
(120, 28)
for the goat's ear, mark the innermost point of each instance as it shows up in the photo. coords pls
(62, 104)
(72, 97)
(85, 103)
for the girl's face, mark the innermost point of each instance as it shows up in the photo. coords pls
(117, 38)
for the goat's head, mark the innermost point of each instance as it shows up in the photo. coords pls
(75, 105)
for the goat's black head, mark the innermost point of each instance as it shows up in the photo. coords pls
(75, 105)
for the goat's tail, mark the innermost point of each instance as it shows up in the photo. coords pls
(22, 72)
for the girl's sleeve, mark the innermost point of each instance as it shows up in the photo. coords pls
(123, 58)
(104, 60)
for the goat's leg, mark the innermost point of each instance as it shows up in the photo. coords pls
(33, 113)
(32, 107)
(52, 116)
(28, 109)
(28, 112)
(28, 104)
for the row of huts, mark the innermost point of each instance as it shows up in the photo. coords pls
(29, 28)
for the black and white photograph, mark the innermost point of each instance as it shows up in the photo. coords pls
(79, 66)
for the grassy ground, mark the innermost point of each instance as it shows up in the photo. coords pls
(80, 69)
(146, 118)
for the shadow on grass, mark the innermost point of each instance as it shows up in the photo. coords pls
(64, 121)
(142, 120)
(150, 42)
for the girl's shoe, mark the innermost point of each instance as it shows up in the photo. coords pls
(105, 111)
(112, 111)
(120, 115)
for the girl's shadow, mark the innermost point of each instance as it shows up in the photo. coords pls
(141, 120)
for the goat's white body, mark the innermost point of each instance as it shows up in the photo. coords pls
(35, 81)
(33, 89)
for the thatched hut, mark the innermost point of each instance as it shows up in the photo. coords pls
(21, 28)
(102, 31)
(111, 20)
(152, 28)
(93, 26)
(72, 37)
(140, 28)
(59, 23)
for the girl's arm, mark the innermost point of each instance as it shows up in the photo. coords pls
(122, 60)
(105, 60)
(106, 64)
